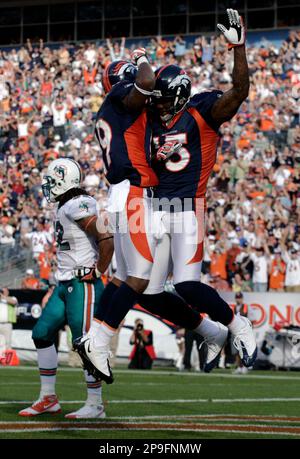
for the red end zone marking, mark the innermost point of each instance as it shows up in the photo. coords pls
(150, 426)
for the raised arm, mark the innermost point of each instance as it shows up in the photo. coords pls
(228, 104)
(144, 82)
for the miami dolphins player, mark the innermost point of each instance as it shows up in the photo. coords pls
(84, 251)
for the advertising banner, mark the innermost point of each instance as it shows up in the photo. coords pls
(265, 310)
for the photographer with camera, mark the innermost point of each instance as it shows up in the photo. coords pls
(143, 353)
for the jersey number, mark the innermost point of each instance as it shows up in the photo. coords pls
(59, 233)
(182, 158)
(104, 136)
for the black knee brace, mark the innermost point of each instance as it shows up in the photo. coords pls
(41, 344)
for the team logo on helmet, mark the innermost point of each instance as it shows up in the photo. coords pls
(124, 67)
(180, 80)
(117, 71)
(60, 171)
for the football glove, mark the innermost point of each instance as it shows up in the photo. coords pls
(167, 150)
(93, 275)
(235, 35)
(138, 56)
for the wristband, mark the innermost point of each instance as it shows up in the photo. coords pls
(143, 91)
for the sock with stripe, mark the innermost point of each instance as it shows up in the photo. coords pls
(105, 301)
(47, 361)
(89, 300)
(121, 302)
(94, 390)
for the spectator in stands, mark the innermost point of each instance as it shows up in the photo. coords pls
(277, 272)
(30, 281)
(260, 271)
(292, 273)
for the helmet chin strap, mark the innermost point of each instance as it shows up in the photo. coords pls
(168, 117)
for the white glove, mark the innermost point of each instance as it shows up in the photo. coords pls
(235, 35)
(138, 56)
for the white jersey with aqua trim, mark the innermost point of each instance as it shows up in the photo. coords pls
(74, 247)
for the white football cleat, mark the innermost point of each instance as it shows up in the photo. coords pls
(88, 412)
(214, 345)
(244, 370)
(240, 371)
(48, 404)
(245, 343)
(94, 358)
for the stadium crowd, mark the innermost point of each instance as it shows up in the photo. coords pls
(49, 98)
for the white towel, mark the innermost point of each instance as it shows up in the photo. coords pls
(117, 196)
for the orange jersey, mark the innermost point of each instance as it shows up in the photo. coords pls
(276, 276)
(218, 265)
(45, 266)
(31, 283)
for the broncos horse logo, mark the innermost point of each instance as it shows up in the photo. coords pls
(182, 79)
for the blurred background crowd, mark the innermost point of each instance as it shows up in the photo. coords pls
(49, 98)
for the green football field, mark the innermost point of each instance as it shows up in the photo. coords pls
(159, 404)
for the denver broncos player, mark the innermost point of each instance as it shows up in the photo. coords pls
(185, 137)
(124, 138)
(121, 129)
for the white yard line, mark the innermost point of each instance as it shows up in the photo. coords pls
(171, 373)
(139, 384)
(180, 400)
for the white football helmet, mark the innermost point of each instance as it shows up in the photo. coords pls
(62, 175)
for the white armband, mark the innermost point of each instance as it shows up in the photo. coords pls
(143, 91)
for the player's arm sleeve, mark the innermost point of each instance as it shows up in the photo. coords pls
(204, 104)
